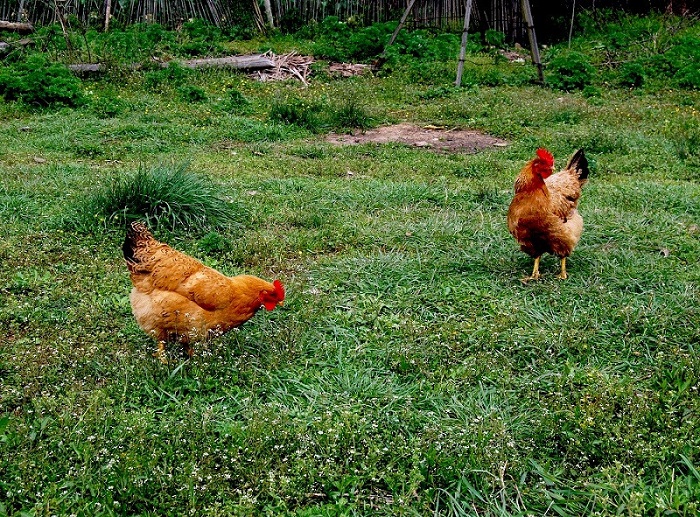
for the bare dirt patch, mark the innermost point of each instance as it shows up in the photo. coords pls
(429, 137)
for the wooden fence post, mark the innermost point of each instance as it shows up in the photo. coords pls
(463, 49)
(533, 39)
(401, 22)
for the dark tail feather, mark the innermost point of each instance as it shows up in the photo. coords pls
(579, 162)
(136, 233)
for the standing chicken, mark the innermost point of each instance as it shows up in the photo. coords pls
(178, 299)
(542, 216)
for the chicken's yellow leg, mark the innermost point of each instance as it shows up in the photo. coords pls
(535, 271)
(563, 274)
(160, 353)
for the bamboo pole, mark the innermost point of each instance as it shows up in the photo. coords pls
(533, 39)
(401, 22)
(108, 13)
(571, 26)
(268, 13)
(463, 48)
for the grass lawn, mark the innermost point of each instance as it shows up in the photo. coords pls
(410, 372)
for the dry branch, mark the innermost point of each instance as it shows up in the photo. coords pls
(286, 66)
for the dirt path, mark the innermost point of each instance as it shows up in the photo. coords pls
(431, 137)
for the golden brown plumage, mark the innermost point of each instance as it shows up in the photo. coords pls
(543, 215)
(177, 298)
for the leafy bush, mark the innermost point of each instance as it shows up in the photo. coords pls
(200, 38)
(632, 75)
(38, 82)
(165, 195)
(494, 38)
(689, 77)
(571, 71)
(201, 30)
(657, 50)
(336, 41)
(137, 43)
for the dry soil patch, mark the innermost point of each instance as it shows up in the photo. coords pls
(430, 137)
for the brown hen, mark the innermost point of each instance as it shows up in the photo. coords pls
(543, 215)
(176, 298)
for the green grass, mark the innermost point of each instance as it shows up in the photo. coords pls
(409, 372)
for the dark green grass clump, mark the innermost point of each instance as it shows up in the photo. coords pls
(164, 195)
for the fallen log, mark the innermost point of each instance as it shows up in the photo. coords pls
(22, 28)
(252, 62)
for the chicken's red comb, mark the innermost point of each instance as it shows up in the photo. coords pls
(279, 289)
(545, 156)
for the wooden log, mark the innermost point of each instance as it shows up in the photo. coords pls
(252, 62)
(22, 28)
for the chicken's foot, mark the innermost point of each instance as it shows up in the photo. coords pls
(563, 275)
(161, 354)
(535, 272)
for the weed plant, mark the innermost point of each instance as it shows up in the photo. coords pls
(37, 82)
(164, 196)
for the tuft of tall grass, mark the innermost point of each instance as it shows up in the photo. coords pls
(297, 112)
(351, 115)
(163, 195)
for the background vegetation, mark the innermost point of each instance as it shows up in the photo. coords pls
(410, 371)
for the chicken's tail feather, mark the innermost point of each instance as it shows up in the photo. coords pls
(136, 234)
(579, 163)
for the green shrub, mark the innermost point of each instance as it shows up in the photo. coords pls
(632, 75)
(198, 29)
(689, 77)
(136, 43)
(571, 71)
(199, 38)
(38, 82)
(494, 38)
(165, 195)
